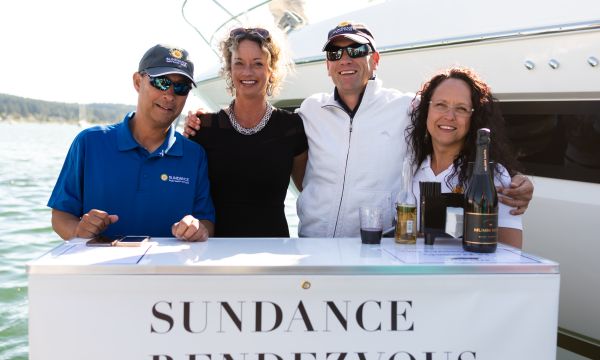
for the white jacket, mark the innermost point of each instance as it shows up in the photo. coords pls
(351, 164)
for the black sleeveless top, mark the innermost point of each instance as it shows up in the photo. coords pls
(249, 174)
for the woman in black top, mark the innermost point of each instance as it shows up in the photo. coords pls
(252, 147)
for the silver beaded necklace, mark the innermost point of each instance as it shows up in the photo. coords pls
(253, 130)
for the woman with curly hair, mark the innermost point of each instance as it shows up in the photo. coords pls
(252, 147)
(453, 105)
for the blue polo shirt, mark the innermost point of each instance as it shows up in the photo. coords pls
(106, 169)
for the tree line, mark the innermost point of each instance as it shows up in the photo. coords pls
(24, 109)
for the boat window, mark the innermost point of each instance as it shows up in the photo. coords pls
(558, 139)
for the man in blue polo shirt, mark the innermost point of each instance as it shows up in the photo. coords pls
(139, 177)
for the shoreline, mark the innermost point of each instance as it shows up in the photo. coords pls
(32, 120)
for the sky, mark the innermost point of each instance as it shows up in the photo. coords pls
(84, 51)
(87, 51)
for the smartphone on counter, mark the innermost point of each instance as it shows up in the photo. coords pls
(132, 240)
(103, 240)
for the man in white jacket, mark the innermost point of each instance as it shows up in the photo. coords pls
(356, 141)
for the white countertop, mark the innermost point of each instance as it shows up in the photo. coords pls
(285, 256)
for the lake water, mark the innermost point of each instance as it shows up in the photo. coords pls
(31, 156)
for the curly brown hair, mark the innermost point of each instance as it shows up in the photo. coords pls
(278, 61)
(486, 114)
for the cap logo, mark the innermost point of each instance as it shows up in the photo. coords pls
(343, 29)
(354, 31)
(176, 53)
(177, 58)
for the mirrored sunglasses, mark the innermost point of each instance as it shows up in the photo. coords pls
(163, 83)
(354, 51)
(260, 32)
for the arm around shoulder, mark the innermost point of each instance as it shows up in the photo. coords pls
(518, 194)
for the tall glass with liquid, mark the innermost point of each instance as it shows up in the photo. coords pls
(406, 208)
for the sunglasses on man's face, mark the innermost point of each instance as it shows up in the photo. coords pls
(163, 83)
(260, 32)
(354, 51)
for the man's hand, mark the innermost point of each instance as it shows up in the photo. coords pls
(69, 226)
(518, 195)
(192, 123)
(190, 229)
(93, 223)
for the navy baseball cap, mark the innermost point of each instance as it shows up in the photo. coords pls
(163, 59)
(356, 32)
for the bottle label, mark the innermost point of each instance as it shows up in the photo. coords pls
(405, 229)
(481, 229)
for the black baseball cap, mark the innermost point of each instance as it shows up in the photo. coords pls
(356, 32)
(164, 59)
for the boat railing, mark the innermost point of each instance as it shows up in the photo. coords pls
(288, 21)
(593, 25)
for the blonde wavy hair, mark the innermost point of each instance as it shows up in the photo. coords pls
(279, 61)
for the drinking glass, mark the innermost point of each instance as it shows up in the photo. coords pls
(371, 224)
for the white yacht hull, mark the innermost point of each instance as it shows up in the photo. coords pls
(530, 53)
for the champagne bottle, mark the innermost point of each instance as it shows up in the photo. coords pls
(480, 232)
(406, 208)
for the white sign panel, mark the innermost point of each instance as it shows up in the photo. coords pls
(293, 317)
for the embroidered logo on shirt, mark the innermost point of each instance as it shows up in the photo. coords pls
(175, 179)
